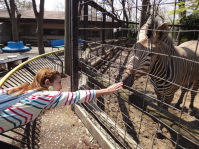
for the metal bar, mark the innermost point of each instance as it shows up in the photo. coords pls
(62, 64)
(74, 85)
(51, 59)
(67, 53)
(13, 138)
(27, 132)
(103, 26)
(33, 133)
(23, 75)
(28, 68)
(85, 25)
(18, 133)
(15, 78)
(7, 145)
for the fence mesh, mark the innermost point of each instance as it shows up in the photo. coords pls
(135, 117)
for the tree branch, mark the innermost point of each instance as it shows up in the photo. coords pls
(35, 9)
(8, 8)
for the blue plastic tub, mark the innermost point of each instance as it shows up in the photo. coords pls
(15, 47)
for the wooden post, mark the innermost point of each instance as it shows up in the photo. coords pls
(74, 77)
(103, 31)
(67, 52)
(85, 25)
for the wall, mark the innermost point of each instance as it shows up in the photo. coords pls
(5, 32)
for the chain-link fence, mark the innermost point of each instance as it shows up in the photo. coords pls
(129, 41)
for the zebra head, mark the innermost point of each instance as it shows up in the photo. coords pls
(149, 43)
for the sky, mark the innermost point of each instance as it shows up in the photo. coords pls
(51, 5)
(59, 5)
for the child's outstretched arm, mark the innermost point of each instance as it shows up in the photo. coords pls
(113, 88)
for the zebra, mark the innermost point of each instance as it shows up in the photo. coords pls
(154, 53)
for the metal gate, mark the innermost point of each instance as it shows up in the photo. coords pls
(130, 118)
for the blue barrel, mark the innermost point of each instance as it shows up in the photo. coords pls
(16, 45)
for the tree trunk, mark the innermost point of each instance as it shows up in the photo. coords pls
(14, 20)
(145, 12)
(39, 31)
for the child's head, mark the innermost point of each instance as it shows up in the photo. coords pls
(43, 79)
(47, 77)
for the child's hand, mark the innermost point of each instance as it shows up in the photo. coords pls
(108, 90)
(114, 87)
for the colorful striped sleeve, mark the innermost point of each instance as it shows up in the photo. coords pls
(25, 110)
(4, 90)
(29, 108)
(68, 98)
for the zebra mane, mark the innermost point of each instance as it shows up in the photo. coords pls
(169, 41)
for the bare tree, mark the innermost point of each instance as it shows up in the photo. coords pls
(145, 12)
(2, 5)
(39, 31)
(14, 17)
(24, 4)
(59, 6)
(124, 7)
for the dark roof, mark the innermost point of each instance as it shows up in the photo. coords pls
(29, 14)
(49, 17)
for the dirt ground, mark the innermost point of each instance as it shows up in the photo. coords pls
(139, 125)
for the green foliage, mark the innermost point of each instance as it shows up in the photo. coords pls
(191, 7)
(191, 22)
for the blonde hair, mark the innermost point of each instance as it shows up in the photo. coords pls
(38, 81)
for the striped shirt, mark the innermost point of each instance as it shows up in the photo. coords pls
(30, 108)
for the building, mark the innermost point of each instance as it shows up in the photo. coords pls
(53, 26)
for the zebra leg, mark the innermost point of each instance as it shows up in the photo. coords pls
(164, 100)
(177, 105)
(193, 95)
(183, 91)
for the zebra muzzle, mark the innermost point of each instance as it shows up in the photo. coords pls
(127, 79)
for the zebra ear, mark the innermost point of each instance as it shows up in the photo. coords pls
(162, 32)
